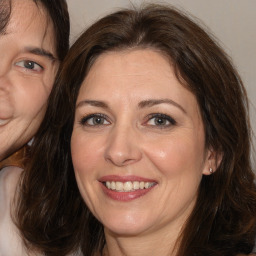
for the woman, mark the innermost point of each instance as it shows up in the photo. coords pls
(34, 39)
(155, 119)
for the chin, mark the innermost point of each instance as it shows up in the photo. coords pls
(127, 225)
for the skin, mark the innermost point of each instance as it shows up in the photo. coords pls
(27, 72)
(130, 140)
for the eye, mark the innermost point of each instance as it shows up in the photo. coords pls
(161, 120)
(29, 64)
(94, 120)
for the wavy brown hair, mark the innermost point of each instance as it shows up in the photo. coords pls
(53, 217)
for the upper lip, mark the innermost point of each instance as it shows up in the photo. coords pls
(124, 178)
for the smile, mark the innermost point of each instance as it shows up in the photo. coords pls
(128, 186)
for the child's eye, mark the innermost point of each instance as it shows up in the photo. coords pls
(29, 64)
(94, 120)
(160, 120)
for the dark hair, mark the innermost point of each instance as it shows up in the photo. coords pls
(51, 213)
(4, 15)
(58, 13)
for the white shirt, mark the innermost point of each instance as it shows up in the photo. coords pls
(10, 241)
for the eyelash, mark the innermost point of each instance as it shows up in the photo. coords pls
(165, 118)
(85, 119)
(35, 66)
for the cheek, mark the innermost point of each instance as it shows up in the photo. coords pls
(177, 156)
(86, 161)
(31, 101)
(85, 153)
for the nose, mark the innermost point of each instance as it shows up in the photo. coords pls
(123, 147)
(4, 86)
(4, 80)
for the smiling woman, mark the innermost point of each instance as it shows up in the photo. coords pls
(32, 43)
(34, 39)
(27, 74)
(134, 147)
(147, 146)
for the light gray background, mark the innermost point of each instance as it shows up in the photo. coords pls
(233, 22)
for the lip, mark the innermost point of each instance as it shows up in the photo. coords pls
(124, 178)
(125, 196)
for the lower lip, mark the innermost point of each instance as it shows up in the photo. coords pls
(125, 196)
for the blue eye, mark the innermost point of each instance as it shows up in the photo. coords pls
(29, 64)
(94, 120)
(160, 120)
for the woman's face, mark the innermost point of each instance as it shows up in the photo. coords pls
(138, 144)
(27, 71)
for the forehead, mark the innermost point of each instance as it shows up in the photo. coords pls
(23, 11)
(31, 24)
(141, 67)
(135, 75)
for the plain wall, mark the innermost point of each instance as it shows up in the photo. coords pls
(233, 22)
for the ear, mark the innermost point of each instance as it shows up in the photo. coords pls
(212, 161)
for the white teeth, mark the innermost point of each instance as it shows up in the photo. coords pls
(3, 122)
(113, 185)
(119, 186)
(136, 185)
(108, 184)
(147, 184)
(128, 185)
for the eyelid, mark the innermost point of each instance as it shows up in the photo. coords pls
(85, 118)
(163, 116)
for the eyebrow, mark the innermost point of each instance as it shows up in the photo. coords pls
(94, 103)
(142, 104)
(40, 52)
(153, 102)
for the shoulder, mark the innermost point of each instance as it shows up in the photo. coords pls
(9, 235)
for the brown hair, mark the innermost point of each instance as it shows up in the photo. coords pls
(51, 213)
(4, 15)
(58, 13)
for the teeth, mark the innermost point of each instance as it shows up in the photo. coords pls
(136, 185)
(3, 122)
(108, 184)
(128, 185)
(119, 186)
